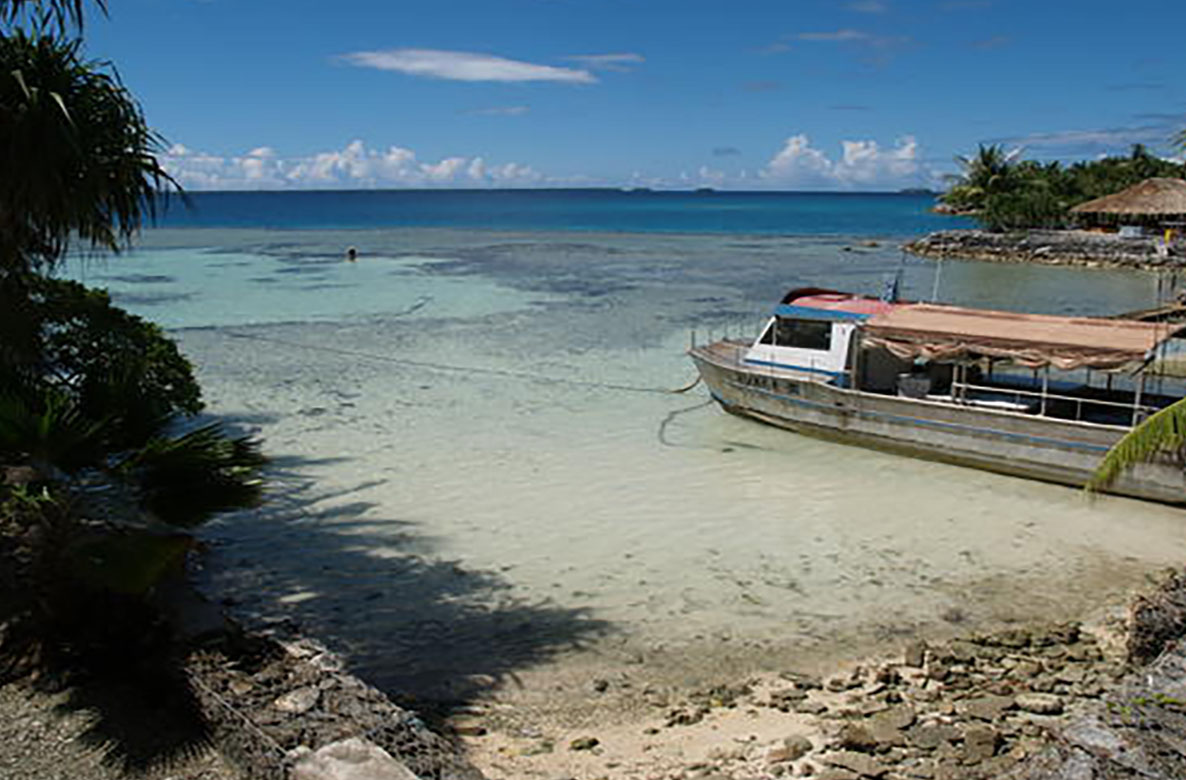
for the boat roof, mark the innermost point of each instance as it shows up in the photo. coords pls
(1035, 340)
(948, 333)
(816, 303)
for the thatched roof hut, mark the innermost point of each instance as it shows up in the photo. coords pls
(1152, 198)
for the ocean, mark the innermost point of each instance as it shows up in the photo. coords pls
(587, 210)
(480, 474)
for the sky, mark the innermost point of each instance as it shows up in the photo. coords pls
(730, 94)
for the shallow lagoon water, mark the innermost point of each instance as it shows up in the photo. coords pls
(478, 469)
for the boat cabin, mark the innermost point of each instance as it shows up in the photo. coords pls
(1079, 368)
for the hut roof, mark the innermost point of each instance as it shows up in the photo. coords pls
(1152, 196)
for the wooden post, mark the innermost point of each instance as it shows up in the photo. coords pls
(1045, 388)
(1136, 399)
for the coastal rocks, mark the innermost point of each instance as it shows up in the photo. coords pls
(274, 706)
(296, 702)
(1040, 703)
(789, 749)
(1050, 247)
(349, 759)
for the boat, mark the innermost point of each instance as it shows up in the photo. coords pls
(1031, 395)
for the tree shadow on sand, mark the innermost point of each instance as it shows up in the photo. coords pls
(428, 632)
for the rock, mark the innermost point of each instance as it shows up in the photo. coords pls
(899, 717)
(584, 743)
(299, 701)
(856, 736)
(350, 759)
(837, 774)
(1040, 703)
(784, 697)
(838, 684)
(789, 749)
(980, 743)
(861, 764)
(811, 707)
(467, 728)
(1027, 669)
(930, 736)
(985, 707)
(240, 686)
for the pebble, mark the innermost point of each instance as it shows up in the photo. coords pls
(299, 701)
(1040, 703)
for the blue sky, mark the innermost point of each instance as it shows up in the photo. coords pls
(740, 94)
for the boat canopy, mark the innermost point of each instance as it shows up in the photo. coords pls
(950, 334)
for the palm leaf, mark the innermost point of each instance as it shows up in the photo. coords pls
(184, 480)
(1164, 431)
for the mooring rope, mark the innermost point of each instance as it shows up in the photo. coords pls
(499, 372)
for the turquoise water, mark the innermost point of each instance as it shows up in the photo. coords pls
(478, 470)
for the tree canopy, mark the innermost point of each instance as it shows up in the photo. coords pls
(1005, 192)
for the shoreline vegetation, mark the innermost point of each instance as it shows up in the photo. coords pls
(1030, 212)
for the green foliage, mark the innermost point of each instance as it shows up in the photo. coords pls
(186, 479)
(107, 363)
(1009, 194)
(1163, 432)
(1032, 207)
(77, 155)
(54, 437)
(58, 15)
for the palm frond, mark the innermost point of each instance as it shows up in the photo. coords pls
(1164, 431)
(186, 479)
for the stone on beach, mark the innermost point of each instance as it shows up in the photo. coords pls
(1040, 703)
(350, 759)
(299, 701)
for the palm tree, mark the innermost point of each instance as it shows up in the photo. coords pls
(990, 171)
(77, 155)
(58, 15)
(1162, 432)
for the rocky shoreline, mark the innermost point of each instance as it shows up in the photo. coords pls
(1053, 701)
(1050, 247)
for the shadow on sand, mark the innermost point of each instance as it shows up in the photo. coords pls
(430, 633)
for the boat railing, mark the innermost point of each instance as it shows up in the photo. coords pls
(959, 394)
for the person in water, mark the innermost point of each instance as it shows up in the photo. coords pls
(351, 254)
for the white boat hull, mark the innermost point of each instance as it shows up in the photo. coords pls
(1025, 445)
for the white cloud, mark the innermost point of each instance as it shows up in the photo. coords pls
(501, 111)
(1103, 141)
(867, 7)
(837, 36)
(863, 164)
(352, 167)
(620, 63)
(464, 66)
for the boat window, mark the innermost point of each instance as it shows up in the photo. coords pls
(804, 334)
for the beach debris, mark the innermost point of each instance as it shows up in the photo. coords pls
(584, 743)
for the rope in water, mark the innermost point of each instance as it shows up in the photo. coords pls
(524, 375)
